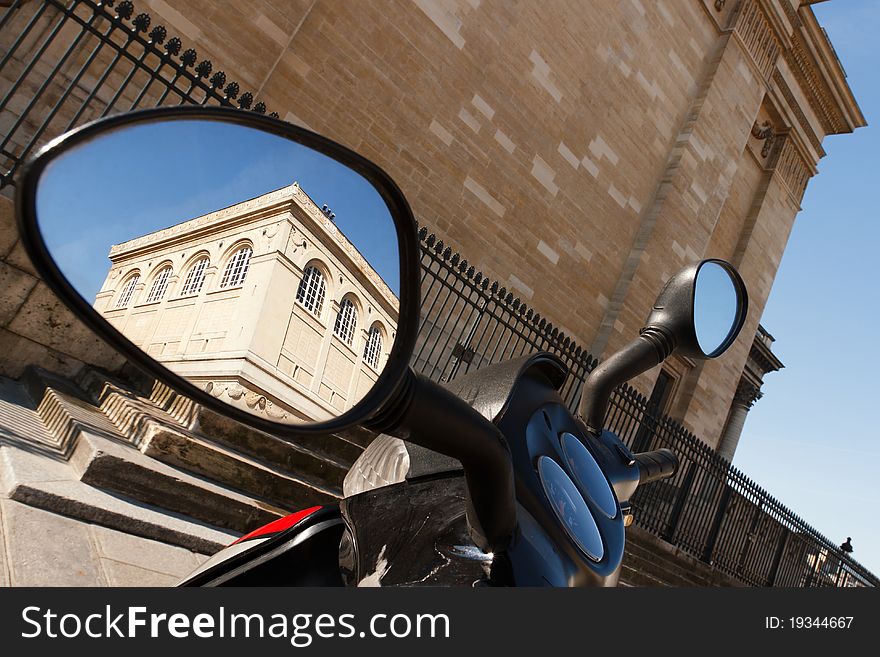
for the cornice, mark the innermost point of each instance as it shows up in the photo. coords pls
(789, 101)
(764, 358)
(791, 160)
(759, 36)
(819, 73)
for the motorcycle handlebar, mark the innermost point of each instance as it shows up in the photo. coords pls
(429, 415)
(657, 464)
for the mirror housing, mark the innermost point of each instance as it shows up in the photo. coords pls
(671, 327)
(43, 252)
(672, 322)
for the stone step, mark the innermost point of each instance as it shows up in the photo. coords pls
(64, 409)
(131, 413)
(48, 484)
(630, 576)
(218, 462)
(359, 436)
(663, 571)
(675, 562)
(661, 561)
(114, 466)
(35, 381)
(327, 457)
(125, 417)
(672, 564)
(341, 448)
(19, 421)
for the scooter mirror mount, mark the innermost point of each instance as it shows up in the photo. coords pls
(698, 313)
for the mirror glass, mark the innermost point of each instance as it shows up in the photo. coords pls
(716, 307)
(263, 272)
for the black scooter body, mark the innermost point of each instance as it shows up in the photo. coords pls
(304, 554)
(415, 532)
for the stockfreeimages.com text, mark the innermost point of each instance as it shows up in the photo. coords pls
(299, 629)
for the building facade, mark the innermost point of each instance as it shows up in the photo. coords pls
(579, 153)
(265, 304)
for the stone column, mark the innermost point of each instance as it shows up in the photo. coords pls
(747, 393)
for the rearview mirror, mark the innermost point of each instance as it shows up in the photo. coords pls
(263, 270)
(698, 313)
(700, 310)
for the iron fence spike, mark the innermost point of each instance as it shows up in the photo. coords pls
(157, 34)
(125, 10)
(189, 57)
(173, 46)
(141, 22)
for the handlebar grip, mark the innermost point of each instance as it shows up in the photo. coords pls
(657, 464)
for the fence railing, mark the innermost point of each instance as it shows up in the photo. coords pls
(709, 509)
(64, 62)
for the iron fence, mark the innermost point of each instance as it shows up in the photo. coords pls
(709, 509)
(64, 62)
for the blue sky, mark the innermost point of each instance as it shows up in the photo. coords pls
(813, 440)
(140, 179)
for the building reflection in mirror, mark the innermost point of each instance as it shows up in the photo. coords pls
(264, 304)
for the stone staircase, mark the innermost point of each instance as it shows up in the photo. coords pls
(650, 561)
(130, 454)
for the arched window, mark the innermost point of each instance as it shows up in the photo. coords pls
(373, 348)
(195, 277)
(346, 321)
(311, 290)
(237, 268)
(127, 291)
(160, 285)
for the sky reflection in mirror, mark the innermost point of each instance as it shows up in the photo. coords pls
(149, 176)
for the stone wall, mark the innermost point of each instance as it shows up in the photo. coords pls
(578, 152)
(36, 329)
(579, 156)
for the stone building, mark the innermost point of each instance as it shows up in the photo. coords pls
(579, 153)
(265, 304)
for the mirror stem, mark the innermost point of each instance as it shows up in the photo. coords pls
(425, 413)
(649, 349)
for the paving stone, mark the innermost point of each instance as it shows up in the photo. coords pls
(44, 319)
(125, 574)
(48, 549)
(8, 229)
(16, 285)
(18, 258)
(20, 352)
(143, 553)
